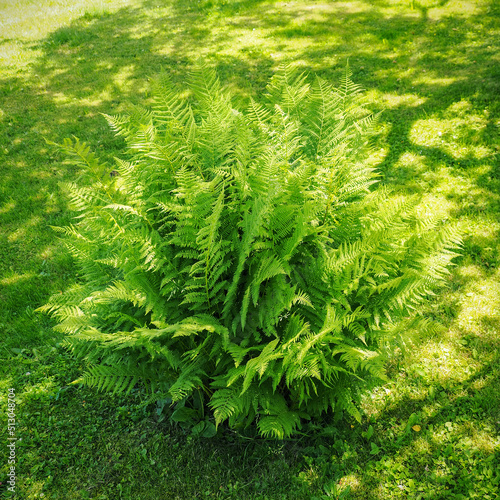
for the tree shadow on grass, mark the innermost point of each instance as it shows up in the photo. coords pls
(100, 62)
(439, 432)
(96, 65)
(422, 68)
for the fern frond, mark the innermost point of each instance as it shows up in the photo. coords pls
(242, 261)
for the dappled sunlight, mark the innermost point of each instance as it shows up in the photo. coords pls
(434, 133)
(35, 489)
(40, 390)
(443, 363)
(48, 252)
(406, 100)
(350, 480)
(8, 207)
(478, 439)
(52, 204)
(416, 161)
(461, 108)
(471, 203)
(22, 231)
(485, 232)
(421, 446)
(122, 77)
(463, 435)
(96, 101)
(447, 184)
(35, 20)
(60, 98)
(6, 383)
(429, 66)
(479, 384)
(433, 205)
(12, 53)
(481, 300)
(16, 278)
(471, 272)
(430, 80)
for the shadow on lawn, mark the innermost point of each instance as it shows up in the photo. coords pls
(99, 63)
(401, 54)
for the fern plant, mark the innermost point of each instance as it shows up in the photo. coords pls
(241, 258)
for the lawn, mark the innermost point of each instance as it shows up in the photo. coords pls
(431, 66)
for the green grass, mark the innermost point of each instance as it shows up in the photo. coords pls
(434, 68)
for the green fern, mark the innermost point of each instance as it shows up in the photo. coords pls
(240, 261)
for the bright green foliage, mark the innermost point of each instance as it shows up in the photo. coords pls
(241, 258)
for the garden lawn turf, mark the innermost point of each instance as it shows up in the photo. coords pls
(432, 67)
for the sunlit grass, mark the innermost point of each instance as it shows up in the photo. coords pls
(430, 66)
